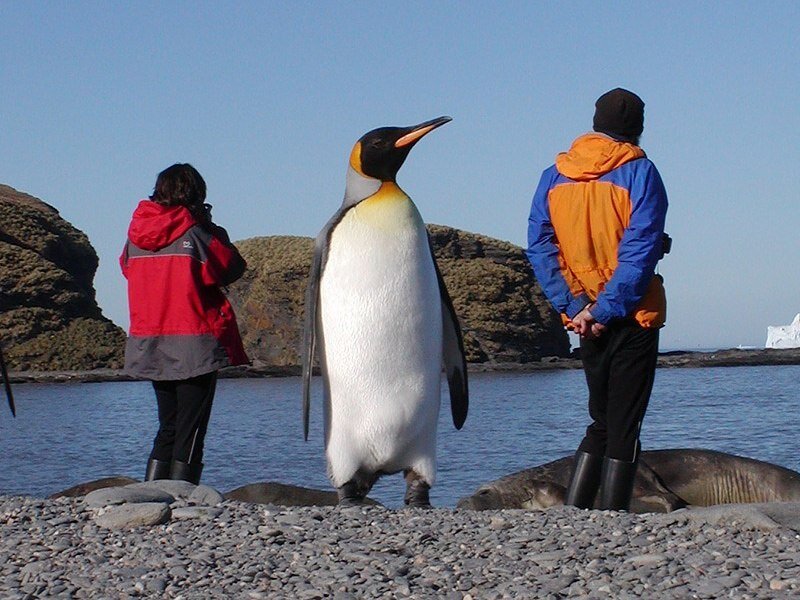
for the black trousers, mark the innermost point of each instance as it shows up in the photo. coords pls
(620, 367)
(184, 408)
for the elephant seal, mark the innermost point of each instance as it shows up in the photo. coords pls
(666, 480)
(84, 488)
(282, 494)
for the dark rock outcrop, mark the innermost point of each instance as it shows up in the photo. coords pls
(49, 319)
(504, 315)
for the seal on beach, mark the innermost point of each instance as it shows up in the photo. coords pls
(666, 480)
(281, 494)
(379, 311)
(86, 487)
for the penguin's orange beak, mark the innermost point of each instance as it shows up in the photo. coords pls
(418, 131)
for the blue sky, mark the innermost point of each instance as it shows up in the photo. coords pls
(266, 99)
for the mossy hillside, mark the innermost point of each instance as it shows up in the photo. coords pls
(503, 315)
(49, 319)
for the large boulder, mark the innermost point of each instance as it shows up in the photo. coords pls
(504, 315)
(49, 317)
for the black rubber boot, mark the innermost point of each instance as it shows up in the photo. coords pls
(350, 494)
(186, 471)
(417, 494)
(156, 469)
(585, 480)
(616, 485)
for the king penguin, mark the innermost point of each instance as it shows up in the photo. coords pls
(378, 312)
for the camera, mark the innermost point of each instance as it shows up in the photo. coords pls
(666, 244)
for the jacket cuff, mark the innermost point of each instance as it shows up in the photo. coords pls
(601, 313)
(577, 305)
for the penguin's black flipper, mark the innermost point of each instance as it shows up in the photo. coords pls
(7, 384)
(310, 329)
(453, 356)
(310, 334)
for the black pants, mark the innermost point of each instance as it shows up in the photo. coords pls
(620, 367)
(184, 408)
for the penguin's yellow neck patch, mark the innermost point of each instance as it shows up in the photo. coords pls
(388, 208)
(388, 191)
(355, 158)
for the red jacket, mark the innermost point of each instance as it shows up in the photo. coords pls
(181, 323)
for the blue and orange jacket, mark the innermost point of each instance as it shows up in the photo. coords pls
(595, 232)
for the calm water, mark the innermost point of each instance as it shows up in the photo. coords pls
(70, 433)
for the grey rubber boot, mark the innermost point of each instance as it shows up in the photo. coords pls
(585, 480)
(156, 469)
(616, 484)
(186, 471)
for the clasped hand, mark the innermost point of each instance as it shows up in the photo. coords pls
(585, 326)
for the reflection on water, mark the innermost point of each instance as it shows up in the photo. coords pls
(70, 433)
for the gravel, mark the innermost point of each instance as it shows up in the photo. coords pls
(60, 548)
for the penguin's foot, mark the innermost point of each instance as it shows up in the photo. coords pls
(417, 491)
(351, 494)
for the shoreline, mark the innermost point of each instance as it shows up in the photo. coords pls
(732, 357)
(239, 550)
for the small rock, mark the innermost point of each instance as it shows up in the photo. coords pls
(121, 495)
(134, 515)
(782, 584)
(196, 512)
(646, 560)
(205, 495)
(174, 487)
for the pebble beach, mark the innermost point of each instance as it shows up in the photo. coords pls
(204, 547)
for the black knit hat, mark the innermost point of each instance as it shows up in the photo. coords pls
(620, 114)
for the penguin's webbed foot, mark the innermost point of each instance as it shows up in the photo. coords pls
(351, 494)
(417, 491)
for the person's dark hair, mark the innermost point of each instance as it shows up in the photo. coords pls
(181, 185)
(620, 114)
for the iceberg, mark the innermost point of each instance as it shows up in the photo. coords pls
(784, 336)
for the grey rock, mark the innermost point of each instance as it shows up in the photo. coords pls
(204, 494)
(196, 512)
(174, 487)
(644, 560)
(120, 495)
(134, 515)
(250, 552)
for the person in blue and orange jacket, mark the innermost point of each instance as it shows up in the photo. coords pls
(182, 327)
(595, 235)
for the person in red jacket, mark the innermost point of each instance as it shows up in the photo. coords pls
(182, 327)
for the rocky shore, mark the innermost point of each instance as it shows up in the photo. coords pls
(204, 547)
(719, 358)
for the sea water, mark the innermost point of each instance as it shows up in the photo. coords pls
(66, 434)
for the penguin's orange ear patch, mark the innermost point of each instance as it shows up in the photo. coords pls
(412, 137)
(355, 158)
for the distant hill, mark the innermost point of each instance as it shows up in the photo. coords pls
(49, 319)
(504, 316)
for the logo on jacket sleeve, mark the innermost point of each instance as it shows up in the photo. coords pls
(187, 244)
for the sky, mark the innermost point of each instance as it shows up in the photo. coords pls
(266, 99)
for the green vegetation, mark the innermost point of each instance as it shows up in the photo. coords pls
(49, 319)
(503, 314)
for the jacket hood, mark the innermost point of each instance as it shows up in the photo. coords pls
(155, 226)
(593, 155)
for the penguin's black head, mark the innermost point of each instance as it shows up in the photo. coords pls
(381, 152)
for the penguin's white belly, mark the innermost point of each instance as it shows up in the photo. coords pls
(382, 342)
